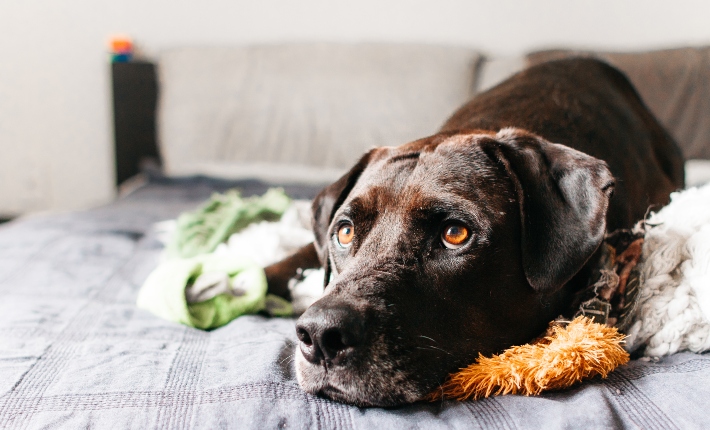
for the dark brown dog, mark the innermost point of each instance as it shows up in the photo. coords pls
(472, 240)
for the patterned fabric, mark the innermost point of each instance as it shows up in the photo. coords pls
(75, 352)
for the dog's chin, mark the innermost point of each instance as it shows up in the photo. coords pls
(379, 386)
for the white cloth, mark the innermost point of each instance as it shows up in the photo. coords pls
(673, 313)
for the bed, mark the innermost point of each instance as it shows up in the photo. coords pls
(75, 352)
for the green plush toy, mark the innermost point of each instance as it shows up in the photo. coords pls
(204, 290)
(228, 288)
(200, 231)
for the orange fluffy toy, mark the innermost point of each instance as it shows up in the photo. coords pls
(564, 356)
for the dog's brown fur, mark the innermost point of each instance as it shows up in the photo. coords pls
(400, 310)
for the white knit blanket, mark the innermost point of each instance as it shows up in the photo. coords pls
(673, 313)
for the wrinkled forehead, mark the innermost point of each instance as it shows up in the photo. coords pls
(453, 170)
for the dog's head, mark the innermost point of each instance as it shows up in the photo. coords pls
(442, 249)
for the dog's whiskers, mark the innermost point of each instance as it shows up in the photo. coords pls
(288, 357)
(435, 348)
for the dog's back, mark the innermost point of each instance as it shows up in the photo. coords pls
(592, 107)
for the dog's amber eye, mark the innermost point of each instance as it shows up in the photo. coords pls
(454, 236)
(345, 235)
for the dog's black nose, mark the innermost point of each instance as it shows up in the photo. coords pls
(329, 331)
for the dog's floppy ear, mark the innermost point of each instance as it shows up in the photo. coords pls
(327, 202)
(563, 196)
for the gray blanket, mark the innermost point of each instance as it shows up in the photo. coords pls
(76, 353)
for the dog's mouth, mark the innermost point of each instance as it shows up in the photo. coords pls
(329, 392)
(335, 394)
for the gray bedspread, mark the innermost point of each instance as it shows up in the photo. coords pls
(76, 353)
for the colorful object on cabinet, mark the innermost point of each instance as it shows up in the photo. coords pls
(121, 49)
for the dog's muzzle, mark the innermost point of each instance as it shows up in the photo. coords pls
(343, 355)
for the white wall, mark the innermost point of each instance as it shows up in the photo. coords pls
(55, 117)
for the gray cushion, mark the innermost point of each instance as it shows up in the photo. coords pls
(306, 106)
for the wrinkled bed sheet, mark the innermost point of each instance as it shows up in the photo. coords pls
(75, 352)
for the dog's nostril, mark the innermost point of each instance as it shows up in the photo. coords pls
(310, 350)
(303, 336)
(332, 341)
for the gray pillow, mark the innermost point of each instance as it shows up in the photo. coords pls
(304, 112)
